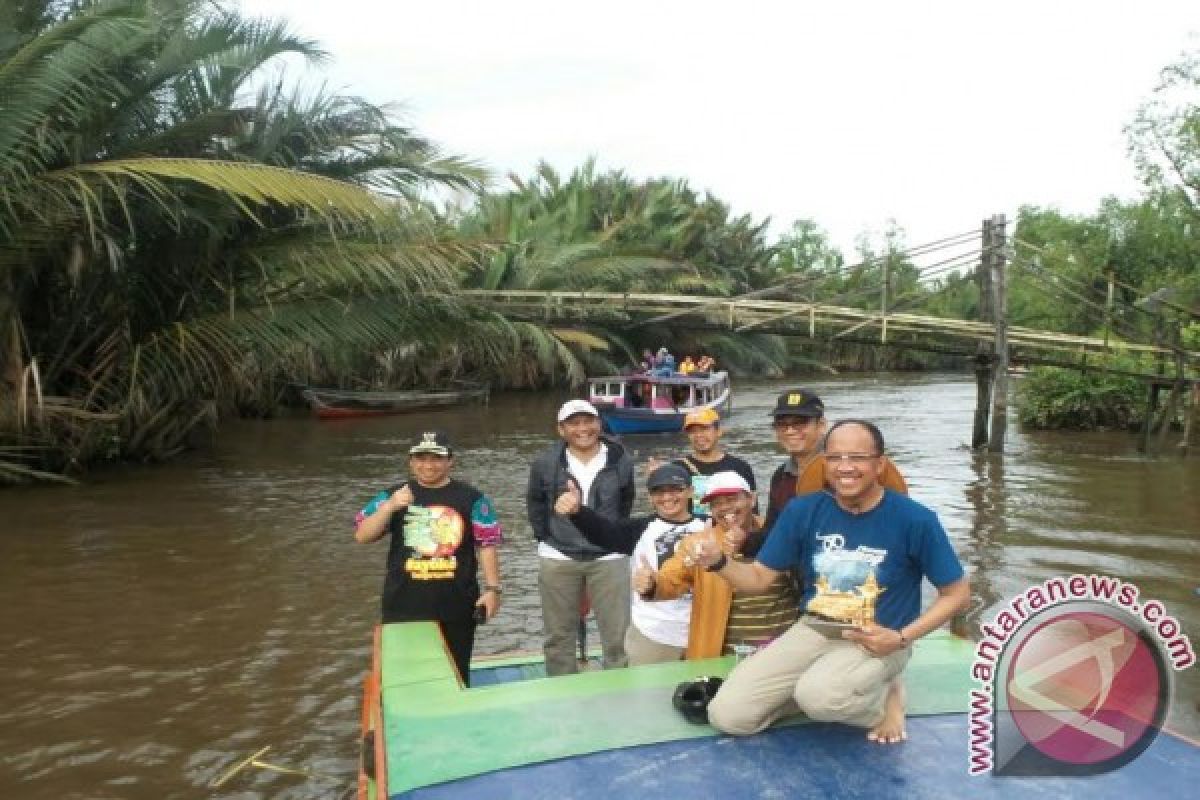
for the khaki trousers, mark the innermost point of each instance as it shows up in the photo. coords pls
(829, 679)
(641, 649)
(562, 583)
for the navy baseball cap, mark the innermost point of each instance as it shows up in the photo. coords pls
(669, 475)
(798, 403)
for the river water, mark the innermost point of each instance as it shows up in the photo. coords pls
(161, 623)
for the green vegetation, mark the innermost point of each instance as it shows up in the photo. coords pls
(1062, 398)
(183, 236)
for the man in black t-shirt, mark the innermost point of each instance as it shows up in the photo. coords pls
(703, 429)
(443, 531)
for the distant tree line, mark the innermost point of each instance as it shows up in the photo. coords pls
(186, 235)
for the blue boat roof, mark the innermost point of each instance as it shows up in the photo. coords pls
(676, 379)
(614, 733)
(818, 761)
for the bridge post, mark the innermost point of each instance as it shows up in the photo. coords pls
(1000, 314)
(983, 356)
(883, 302)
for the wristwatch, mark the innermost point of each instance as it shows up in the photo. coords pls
(488, 587)
(719, 564)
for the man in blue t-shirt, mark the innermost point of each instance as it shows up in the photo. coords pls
(861, 551)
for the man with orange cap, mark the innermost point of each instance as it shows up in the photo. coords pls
(703, 429)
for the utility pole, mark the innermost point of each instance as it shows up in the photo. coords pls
(983, 355)
(1000, 312)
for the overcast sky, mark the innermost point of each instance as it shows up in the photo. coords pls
(935, 114)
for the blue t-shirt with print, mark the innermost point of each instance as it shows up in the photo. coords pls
(844, 558)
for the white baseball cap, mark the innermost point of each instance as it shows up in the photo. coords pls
(725, 483)
(573, 407)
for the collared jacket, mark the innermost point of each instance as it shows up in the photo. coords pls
(611, 495)
(712, 596)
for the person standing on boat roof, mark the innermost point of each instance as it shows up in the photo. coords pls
(569, 566)
(703, 429)
(725, 622)
(799, 422)
(657, 632)
(442, 530)
(862, 551)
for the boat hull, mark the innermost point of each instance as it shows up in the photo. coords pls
(334, 404)
(635, 420)
(616, 734)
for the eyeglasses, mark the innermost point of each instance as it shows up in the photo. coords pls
(853, 458)
(793, 423)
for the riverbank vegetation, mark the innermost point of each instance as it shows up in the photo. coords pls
(187, 233)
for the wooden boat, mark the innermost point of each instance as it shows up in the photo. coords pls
(340, 403)
(614, 733)
(650, 403)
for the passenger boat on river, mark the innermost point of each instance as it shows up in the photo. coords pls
(615, 733)
(650, 402)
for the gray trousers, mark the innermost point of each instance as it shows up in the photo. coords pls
(829, 679)
(562, 584)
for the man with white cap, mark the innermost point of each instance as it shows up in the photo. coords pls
(725, 621)
(569, 566)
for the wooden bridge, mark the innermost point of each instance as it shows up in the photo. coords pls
(818, 321)
(992, 343)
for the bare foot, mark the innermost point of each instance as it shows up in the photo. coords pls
(890, 729)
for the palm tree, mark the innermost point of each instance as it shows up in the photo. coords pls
(608, 232)
(171, 241)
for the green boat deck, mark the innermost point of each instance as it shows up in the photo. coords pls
(436, 731)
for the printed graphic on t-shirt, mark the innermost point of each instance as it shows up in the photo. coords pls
(699, 486)
(665, 544)
(846, 587)
(434, 533)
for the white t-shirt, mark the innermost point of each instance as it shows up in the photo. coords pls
(662, 621)
(584, 473)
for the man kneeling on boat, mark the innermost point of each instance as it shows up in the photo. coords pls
(725, 622)
(657, 631)
(862, 551)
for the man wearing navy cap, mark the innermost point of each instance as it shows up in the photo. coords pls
(799, 422)
(658, 631)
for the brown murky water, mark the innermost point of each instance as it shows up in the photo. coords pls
(162, 623)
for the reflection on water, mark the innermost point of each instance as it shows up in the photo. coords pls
(164, 622)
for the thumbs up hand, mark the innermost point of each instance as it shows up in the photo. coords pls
(644, 577)
(735, 534)
(570, 501)
(401, 499)
(704, 550)
(652, 463)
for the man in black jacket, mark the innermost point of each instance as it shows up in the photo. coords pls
(569, 565)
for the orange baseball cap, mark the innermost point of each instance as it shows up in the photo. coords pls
(701, 416)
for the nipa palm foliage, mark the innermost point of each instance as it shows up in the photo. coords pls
(608, 232)
(175, 241)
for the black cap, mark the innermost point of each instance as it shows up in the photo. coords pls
(435, 442)
(669, 475)
(798, 403)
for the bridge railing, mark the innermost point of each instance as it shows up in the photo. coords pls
(815, 320)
